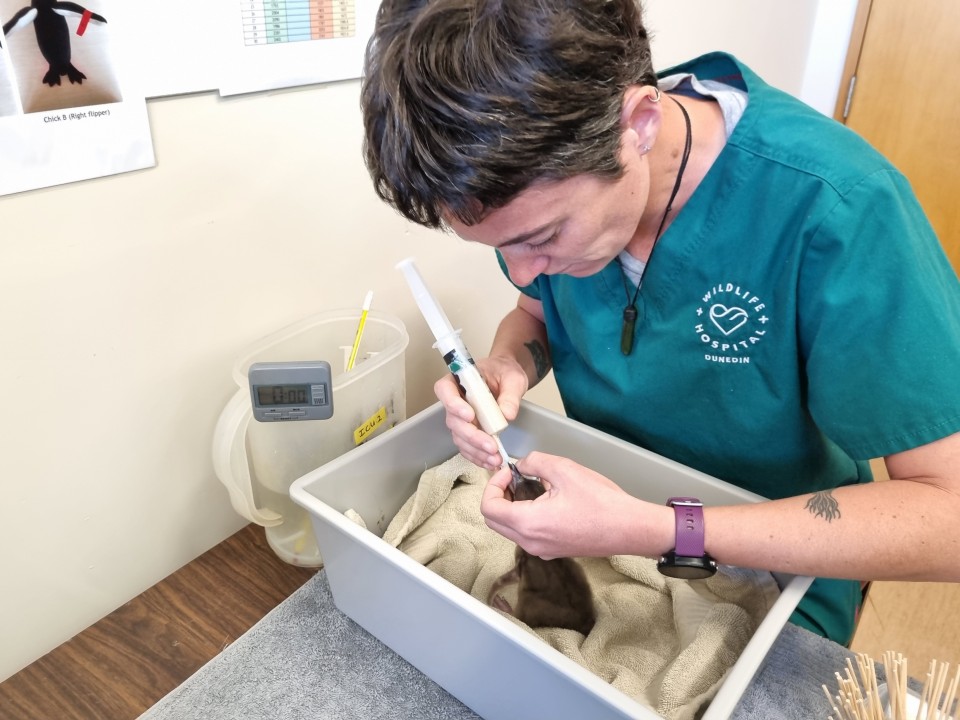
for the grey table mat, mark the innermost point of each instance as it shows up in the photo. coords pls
(306, 659)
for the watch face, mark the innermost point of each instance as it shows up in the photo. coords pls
(687, 568)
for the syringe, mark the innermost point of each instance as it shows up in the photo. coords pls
(457, 358)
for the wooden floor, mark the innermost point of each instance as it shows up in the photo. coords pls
(122, 665)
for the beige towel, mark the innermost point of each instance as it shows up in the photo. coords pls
(668, 643)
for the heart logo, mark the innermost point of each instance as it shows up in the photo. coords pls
(727, 319)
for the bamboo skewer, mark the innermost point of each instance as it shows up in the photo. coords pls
(951, 694)
(858, 695)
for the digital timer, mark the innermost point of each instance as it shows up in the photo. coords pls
(295, 390)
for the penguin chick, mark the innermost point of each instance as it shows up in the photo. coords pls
(550, 593)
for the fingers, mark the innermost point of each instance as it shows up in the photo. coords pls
(508, 382)
(512, 389)
(448, 393)
(559, 471)
(474, 444)
(496, 505)
(498, 485)
(543, 465)
(563, 521)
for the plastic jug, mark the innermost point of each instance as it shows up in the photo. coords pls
(258, 461)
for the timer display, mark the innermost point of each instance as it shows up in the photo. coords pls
(291, 390)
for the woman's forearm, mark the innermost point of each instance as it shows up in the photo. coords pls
(522, 336)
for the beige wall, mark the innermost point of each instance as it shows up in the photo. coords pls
(124, 301)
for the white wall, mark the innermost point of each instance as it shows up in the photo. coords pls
(770, 37)
(827, 54)
(125, 300)
(798, 46)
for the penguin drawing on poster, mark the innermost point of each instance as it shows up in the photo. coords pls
(53, 35)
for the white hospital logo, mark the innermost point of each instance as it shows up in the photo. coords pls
(730, 321)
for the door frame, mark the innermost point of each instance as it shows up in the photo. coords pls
(857, 34)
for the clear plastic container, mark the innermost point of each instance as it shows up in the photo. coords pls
(258, 461)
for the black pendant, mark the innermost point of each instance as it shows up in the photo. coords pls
(626, 334)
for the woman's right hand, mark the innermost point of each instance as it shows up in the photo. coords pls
(508, 382)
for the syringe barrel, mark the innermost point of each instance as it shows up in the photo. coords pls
(454, 352)
(475, 389)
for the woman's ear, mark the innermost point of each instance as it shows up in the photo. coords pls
(641, 115)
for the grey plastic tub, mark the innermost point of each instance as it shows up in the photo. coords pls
(458, 641)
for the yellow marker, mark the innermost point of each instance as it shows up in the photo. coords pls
(363, 321)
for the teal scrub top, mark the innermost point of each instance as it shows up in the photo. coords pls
(798, 318)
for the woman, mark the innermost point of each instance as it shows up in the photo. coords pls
(713, 271)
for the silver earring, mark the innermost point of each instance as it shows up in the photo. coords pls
(656, 98)
(646, 149)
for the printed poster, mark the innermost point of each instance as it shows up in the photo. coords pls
(270, 44)
(65, 111)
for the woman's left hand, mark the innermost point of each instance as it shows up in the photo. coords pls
(581, 514)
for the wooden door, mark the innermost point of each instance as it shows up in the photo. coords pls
(903, 63)
(905, 101)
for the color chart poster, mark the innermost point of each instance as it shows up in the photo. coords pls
(272, 44)
(65, 114)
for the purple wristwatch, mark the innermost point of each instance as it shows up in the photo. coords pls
(688, 560)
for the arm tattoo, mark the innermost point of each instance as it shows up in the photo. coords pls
(823, 504)
(541, 361)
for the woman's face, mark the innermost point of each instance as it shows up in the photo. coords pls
(572, 227)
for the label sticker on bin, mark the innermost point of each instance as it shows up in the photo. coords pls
(369, 426)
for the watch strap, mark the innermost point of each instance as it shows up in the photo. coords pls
(688, 514)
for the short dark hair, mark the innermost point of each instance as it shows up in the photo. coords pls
(466, 103)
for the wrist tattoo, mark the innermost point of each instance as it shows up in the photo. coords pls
(540, 361)
(823, 504)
